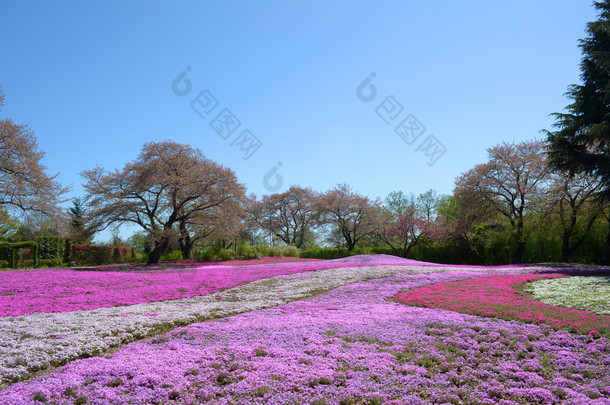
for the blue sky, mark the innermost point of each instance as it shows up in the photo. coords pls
(93, 80)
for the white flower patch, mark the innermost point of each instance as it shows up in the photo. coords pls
(36, 341)
(590, 293)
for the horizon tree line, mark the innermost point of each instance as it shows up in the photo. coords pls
(554, 192)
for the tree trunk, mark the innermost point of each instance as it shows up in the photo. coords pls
(186, 243)
(606, 255)
(349, 241)
(565, 246)
(186, 246)
(518, 256)
(155, 255)
(460, 251)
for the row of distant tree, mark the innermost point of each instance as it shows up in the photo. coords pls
(554, 193)
(176, 195)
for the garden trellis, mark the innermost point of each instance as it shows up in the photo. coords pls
(20, 245)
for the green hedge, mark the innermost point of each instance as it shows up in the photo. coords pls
(50, 247)
(15, 246)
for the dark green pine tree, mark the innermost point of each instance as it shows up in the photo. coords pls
(581, 143)
(79, 231)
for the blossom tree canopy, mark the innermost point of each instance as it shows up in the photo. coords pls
(167, 185)
(25, 186)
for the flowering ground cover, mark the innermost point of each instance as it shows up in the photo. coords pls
(62, 290)
(352, 345)
(38, 341)
(591, 293)
(496, 296)
(192, 263)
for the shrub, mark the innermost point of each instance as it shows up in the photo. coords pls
(204, 255)
(280, 251)
(116, 255)
(227, 254)
(4, 264)
(49, 263)
(26, 264)
(173, 255)
(98, 255)
(67, 251)
(248, 252)
(50, 247)
(291, 251)
(138, 258)
(101, 255)
(324, 253)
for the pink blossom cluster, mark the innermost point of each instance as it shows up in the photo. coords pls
(498, 297)
(350, 346)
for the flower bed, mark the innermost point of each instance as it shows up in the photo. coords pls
(496, 296)
(349, 346)
(193, 263)
(62, 290)
(38, 341)
(589, 293)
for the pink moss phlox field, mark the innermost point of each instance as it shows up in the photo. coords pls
(62, 290)
(192, 263)
(350, 346)
(496, 296)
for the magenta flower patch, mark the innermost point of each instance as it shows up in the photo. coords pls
(496, 296)
(63, 290)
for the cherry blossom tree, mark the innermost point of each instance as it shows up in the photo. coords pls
(290, 216)
(404, 232)
(167, 185)
(223, 221)
(511, 182)
(353, 215)
(408, 221)
(25, 186)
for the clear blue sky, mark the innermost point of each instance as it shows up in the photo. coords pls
(94, 82)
